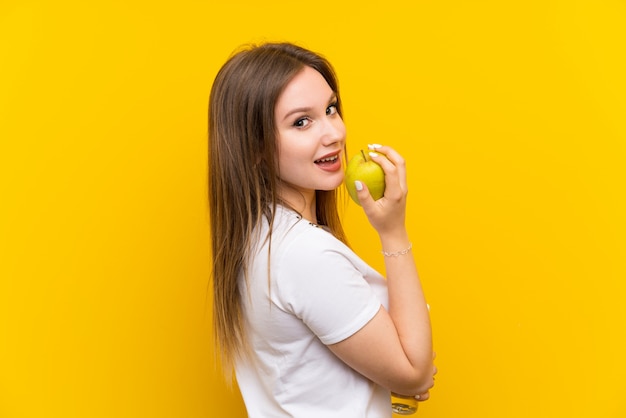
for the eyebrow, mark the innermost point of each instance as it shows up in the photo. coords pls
(333, 97)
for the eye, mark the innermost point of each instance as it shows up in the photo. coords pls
(332, 109)
(302, 122)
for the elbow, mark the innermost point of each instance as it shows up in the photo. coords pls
(415, 381)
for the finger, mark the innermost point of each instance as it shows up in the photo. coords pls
(392, 180)
(394, 174)
(422, 396)
(392, 155)
(363, 194)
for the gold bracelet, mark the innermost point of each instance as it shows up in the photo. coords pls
(397, 253)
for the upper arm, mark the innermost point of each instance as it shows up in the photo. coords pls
(341, 308)
(375, 351)
(334, 303)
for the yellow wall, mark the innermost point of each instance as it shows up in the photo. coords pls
(511, 116)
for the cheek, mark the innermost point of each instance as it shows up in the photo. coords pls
(293, 149)
(288, 158)
(341, 127)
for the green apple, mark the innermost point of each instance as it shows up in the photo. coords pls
(362, 168)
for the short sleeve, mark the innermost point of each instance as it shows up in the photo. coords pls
(317, 282)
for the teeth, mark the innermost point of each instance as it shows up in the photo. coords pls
(323, 160)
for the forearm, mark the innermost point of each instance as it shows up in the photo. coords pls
(405, 325)
(407, 305)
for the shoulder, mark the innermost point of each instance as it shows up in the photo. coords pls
(311, 258)
(293, 235)
(308, 245)
(300, 251)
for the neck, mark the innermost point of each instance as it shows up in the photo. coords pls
(301, 201)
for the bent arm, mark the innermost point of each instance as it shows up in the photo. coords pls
(394, 349)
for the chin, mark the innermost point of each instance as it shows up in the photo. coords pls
(331, 187)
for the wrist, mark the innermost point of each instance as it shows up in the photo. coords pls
(397, 253)
(395, 243)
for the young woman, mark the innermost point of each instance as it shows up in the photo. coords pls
(311, 329)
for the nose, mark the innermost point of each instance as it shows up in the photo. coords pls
(334, 130)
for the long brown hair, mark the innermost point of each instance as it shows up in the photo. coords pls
(243, 171)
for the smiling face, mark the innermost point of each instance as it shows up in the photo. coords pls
(311, 138)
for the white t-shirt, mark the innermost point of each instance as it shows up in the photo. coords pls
(319, 292)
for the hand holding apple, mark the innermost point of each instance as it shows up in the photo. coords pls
(362, 168)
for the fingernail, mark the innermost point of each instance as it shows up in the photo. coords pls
(417, 397)
(374, 146)
(358, 185)
(373, 154)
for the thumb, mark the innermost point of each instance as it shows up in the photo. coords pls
(363, 193)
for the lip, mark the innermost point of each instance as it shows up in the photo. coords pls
(330, 167)
(331, 154)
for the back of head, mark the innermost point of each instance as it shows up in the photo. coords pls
(243, 150)
(243, 168)
(241, 109)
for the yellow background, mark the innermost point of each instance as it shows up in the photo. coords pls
(511, 116)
